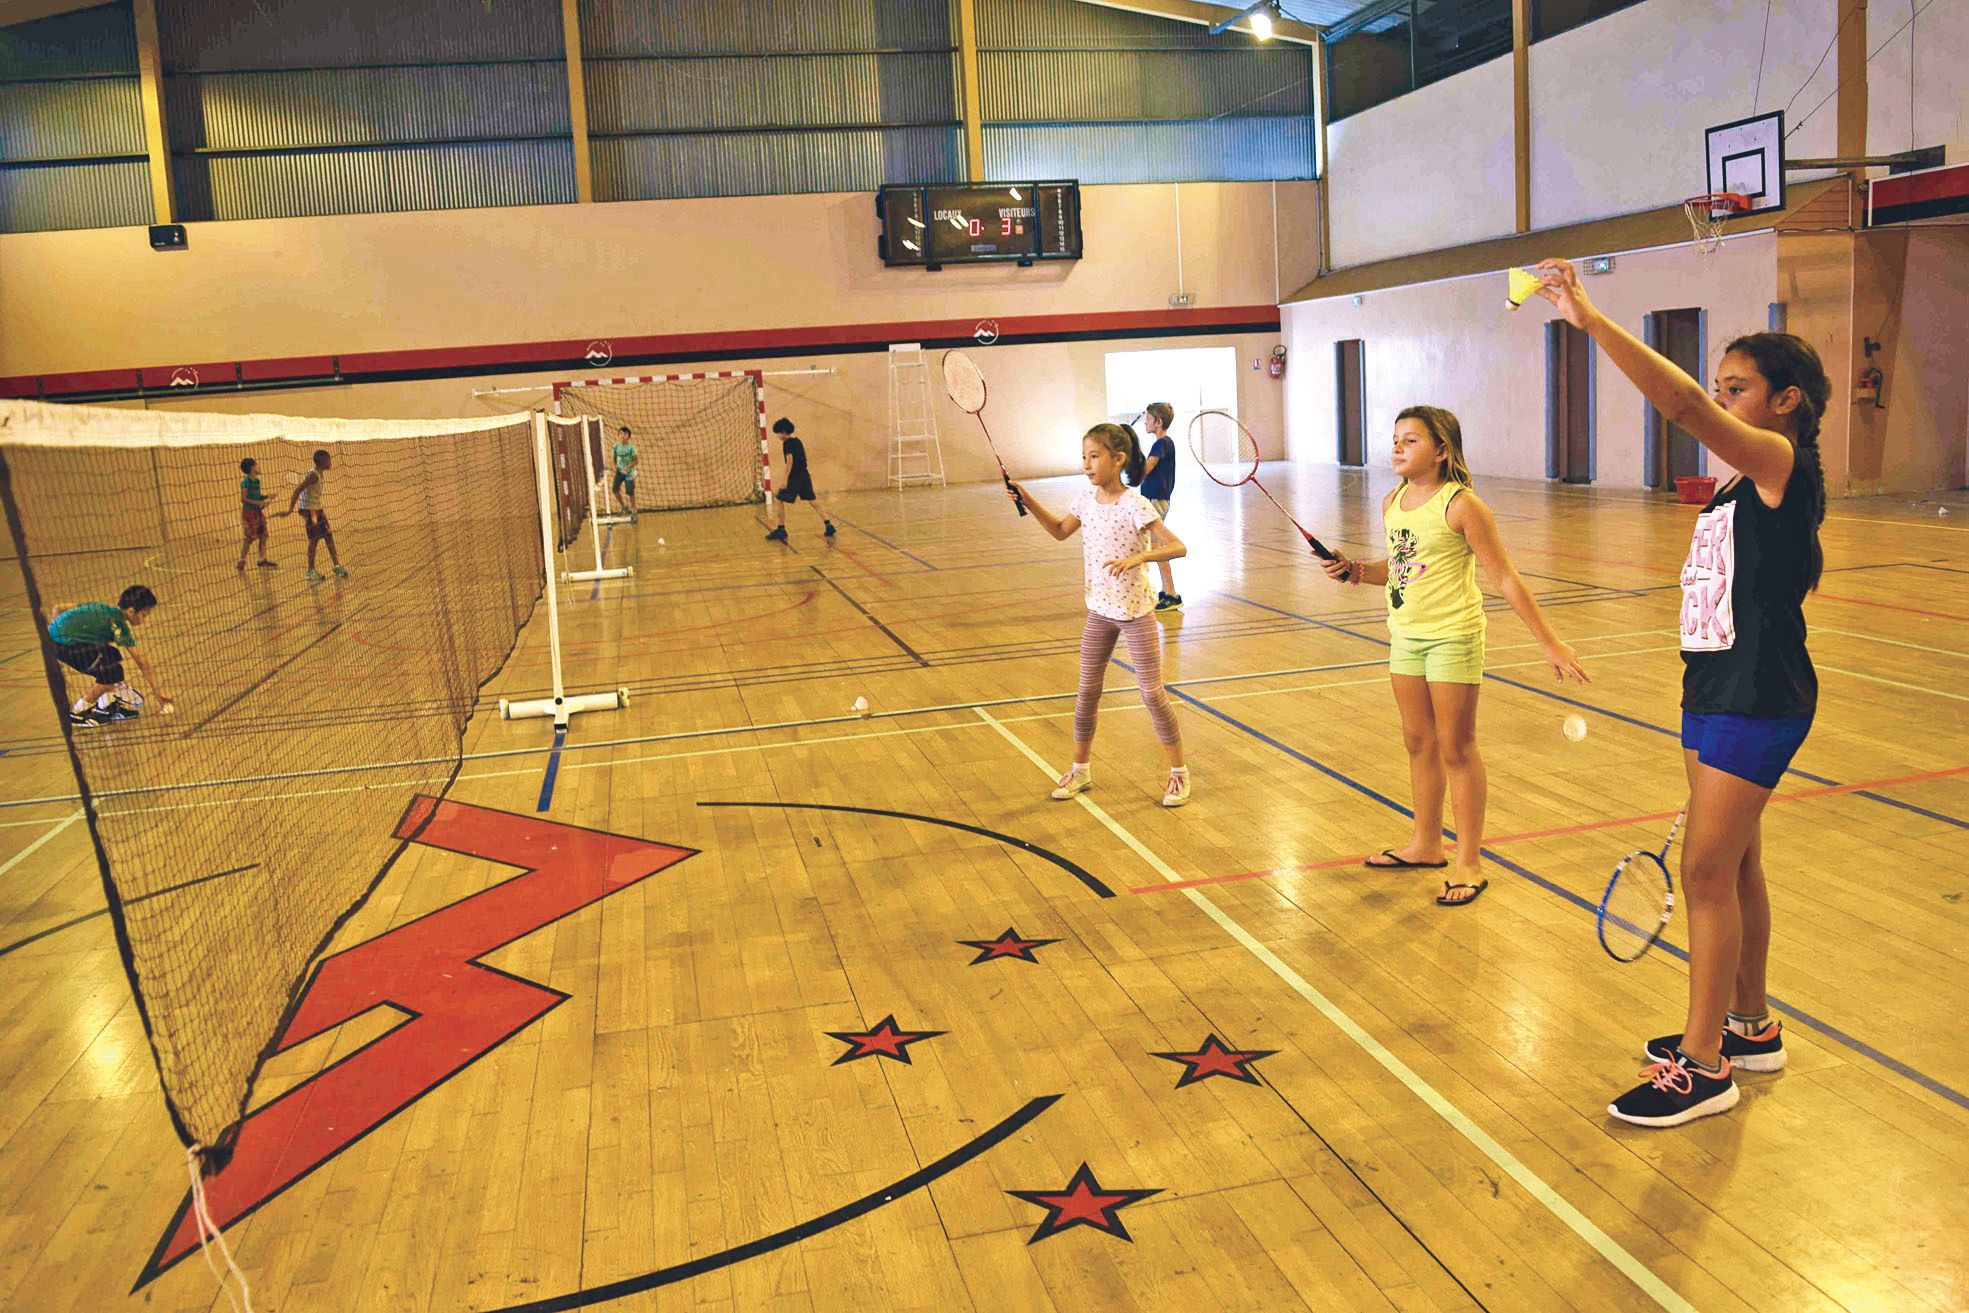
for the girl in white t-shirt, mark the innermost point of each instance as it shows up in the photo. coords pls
(1123, 534)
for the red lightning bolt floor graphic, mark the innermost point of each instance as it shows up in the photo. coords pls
(456, 1009)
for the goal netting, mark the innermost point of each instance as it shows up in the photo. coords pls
(700, 439)
(237, 834)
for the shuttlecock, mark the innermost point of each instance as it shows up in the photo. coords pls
(1574, 727)
(861, 706)
(1941, 510)
(659, 542)
(1523, 282)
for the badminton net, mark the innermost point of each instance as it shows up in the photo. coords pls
(235, 836)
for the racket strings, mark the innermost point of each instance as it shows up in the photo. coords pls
(1636, 907)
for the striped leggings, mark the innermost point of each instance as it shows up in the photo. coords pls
(1145, 650)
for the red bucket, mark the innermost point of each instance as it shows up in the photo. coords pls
(1695, 491)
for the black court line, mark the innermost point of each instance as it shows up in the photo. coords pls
(876, 537)
(868, 1203)
(887, 632)
(128, 902)
(253, 687)
(1072, 868)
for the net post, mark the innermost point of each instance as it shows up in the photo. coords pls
(603, 482)
(594, 518)
(560, 706)
(541, 481)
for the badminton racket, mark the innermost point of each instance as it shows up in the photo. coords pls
(1225, 451)
(966, 386)
(1639, 901)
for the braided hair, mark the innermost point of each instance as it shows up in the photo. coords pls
(1788, 361)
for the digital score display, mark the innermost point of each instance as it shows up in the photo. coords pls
(981, 223)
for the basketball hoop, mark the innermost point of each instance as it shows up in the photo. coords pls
(1708, 213)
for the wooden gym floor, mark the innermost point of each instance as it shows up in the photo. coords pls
(869, 1022)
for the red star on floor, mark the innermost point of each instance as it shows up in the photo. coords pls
(1082, 1203)
(1213, 1059)
(883, 1040)
(1007, 944)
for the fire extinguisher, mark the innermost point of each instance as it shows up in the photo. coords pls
(1868, 386)
(1278, 361)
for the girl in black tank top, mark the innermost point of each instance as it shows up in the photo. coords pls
(1748, 687)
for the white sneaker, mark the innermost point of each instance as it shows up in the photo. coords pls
(1078, 779)
(1178, 792)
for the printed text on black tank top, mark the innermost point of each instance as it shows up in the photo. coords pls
(1707, 575)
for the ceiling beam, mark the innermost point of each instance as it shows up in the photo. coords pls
(1203, 15)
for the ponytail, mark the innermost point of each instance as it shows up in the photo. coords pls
(1121, 440)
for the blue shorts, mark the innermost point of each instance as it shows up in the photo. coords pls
(1754, 748)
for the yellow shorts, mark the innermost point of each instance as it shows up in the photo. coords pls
(1457, 660)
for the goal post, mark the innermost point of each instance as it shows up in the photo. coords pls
(700, 439)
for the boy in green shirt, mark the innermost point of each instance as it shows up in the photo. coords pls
(624, 452)
(87, 638)
(252, 512)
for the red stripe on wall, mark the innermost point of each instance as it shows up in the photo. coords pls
(522, 357)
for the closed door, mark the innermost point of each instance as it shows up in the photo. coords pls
(1350, 387)
(1568, 403)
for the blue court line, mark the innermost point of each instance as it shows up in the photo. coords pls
(1650, 726)
(884, 541)
(553, 769)
(608, 536)
(1777, 1004)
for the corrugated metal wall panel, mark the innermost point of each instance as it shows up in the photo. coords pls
(1223, 150)
(639, 27)
(327, 107)
(764, 163)
(376, 181)
(85, 43)
(206, 36)
(644, 95)
(38, 199)
(1073, 25)
(70, 120)
(1024, 86)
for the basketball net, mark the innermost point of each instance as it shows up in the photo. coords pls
(1708, 213)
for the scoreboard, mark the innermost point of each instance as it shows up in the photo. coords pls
(979, 223)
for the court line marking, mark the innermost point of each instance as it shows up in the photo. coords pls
(32, 848)
(1584, 827)
(1891, 642)
(1894, 683)
(776, 746)
(1584, 1227)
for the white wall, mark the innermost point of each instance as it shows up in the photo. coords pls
(1455, 344)
(1938, 41)
(1426, 170)
(1619, 105)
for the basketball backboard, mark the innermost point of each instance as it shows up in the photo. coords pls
(1747, 157)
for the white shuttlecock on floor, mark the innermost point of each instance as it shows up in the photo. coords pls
(861, 706)
(1574, 727)
(659, 542)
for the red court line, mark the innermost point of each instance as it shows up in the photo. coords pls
(1889, 606)
(1800, 796)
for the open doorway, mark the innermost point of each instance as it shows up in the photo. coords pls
(1188, 378)
(1667, 451)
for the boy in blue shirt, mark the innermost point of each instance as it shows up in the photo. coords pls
(88, 637)
(1158, 482)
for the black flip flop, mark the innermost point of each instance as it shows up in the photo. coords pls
(1444, 900)
(1400, 863)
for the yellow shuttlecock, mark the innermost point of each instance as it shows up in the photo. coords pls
(1523, 283)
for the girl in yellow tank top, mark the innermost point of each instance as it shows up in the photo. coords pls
(1438, 530)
